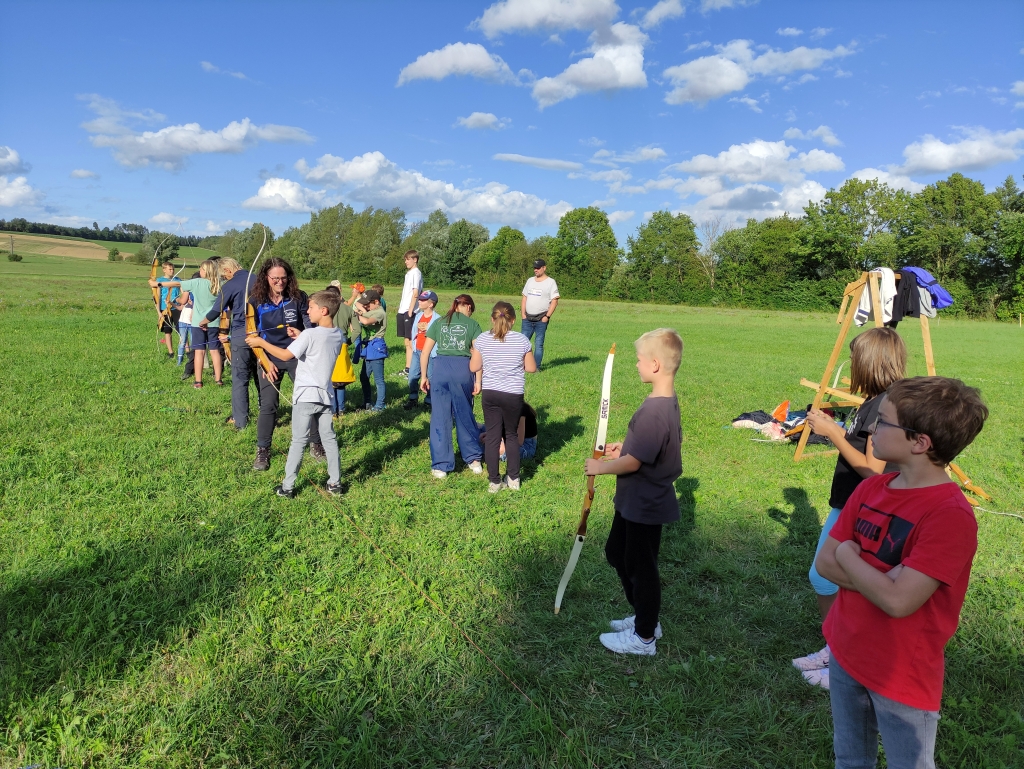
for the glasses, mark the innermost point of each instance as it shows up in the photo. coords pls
(282, 279)
(879, 421)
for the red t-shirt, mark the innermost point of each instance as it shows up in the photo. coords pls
(421, 330)
(931, 530)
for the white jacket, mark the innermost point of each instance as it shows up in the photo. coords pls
(887, 293)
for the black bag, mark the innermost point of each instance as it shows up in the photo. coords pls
(534, 318)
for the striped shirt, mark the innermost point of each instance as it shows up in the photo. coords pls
(503, 362)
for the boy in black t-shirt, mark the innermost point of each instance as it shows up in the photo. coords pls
(647, 463)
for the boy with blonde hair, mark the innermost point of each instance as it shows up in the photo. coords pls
(901, 554)
(647, 464)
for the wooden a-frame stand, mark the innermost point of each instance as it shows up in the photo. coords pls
(841, 396)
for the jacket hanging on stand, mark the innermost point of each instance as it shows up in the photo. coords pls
(887, 295)
(908, 299)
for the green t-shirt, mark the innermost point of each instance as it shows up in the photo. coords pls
(202, 298)
(343, 320)
(455, 339)
(375, 329)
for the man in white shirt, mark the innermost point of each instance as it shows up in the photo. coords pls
(540, 298)
(407, 306)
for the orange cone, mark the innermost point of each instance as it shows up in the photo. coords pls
(781, 412)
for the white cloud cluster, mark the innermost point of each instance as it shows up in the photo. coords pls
(372, 179)
(896, 181)
(84, 173)
(822, 132)
(208, 67)
(483, 121)
(537, 15)
(717, 5)
(737, 63)
(548, 164)
(170, 146)
(639, 155)
(666, 9)
(617, 217)
(979, 149)
(164, 218)
(18, 192)
(789, 32)
(1017, 89)
(457, 59)
(11, 162)
(760, 161)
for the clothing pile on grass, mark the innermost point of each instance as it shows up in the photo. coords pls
(779, 425)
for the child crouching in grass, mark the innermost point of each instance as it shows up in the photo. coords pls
(317, 351)
(647, 464)
(901, 554)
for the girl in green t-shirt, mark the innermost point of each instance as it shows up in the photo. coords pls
(452, 387)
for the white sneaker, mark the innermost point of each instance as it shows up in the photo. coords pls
(494, 488)
(513, 485)
(629, 623)
(815, 661)
(817, 678)
(628, 642)
(476, 467)
(439, 474)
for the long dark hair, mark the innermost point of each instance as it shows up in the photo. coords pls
(460, 299)
(261, 286)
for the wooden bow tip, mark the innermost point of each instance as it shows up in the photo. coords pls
(612, 351)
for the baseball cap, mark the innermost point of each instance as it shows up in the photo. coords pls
(538, 263)
(336, 283)
(428, 296)
(369, 296)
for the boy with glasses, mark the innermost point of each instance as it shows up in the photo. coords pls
(901, 554)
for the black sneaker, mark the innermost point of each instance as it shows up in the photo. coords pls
(337, 489)
(262, 459)
(409, 405)
(404, 373)
(316, 451)
(281, 491)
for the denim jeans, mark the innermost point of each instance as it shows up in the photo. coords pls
(184, 338)
(451, 390)
(540, 328)
(859, 715)
(414, 377)
(338, 400)
(303, 415)
(821, 585)
(375, 367)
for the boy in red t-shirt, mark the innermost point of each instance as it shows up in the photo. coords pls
(901, 554)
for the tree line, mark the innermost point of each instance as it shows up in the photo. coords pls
(972, 241)
(119, 233)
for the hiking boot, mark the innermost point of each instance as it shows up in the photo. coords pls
(262, 459)
(281, 491)
(628, 642)
(316, 451)
(337, 489)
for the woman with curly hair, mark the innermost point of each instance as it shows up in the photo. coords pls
(281, 311)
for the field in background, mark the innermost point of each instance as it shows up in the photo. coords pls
(80, 248)
(159, 605)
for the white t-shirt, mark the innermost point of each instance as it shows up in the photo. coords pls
(539, 295)
(317, 351)
(503, 362)
(413, 286)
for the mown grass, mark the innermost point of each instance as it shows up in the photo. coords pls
(190, 253)
(160, 607)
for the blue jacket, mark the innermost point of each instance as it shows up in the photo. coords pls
(290, 312)
(940, 296)
(232, 300)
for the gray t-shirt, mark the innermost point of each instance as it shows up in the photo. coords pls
(655, 437)
(317, 351)
(539, 295)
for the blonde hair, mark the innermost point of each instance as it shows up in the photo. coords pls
(503, 317)
(878, 357)
(212, 275)
(229, 263)
(665, 344)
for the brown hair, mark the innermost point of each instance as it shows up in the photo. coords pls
(378, 288)
(665, 344)
(946, 410)
(878, 357)
(333, 290)
(460, 299)
(503, 317)
(260, 291)
(328, 300)
(412, 254)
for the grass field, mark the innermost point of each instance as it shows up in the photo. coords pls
(160, 607)
(82, 248)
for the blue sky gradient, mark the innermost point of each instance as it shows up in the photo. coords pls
(220, 114)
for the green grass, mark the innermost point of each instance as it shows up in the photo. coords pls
(190, 253)
(159, 606)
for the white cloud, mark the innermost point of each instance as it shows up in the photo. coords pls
(698, 46)
(843, 73)
(484, 121)
(614, 176)
(548, 164)
(789, 32)
(735, 64)
(216, 228)
(457, 59)
(665, 9)
(208, 67)
(979, 149)
(761, 161)
(11, 162)
(83, 173)
(822, 132)
(535, 15)
(639, 155)
(615, 217)
(897, 181)
(819, 32)
(165, 218)
(372, 179)
(168, 147)
(18, 192)
(593, 141)
(752, 103)
(1017, 89)
(285, 195)
(617, 62)
(717, 5)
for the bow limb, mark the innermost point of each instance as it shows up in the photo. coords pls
(588, 497)
(250, 313)
(156, 289)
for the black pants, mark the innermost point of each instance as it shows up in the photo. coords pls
(632, 550)
(269, 397)
(243, 365)
(501, 410)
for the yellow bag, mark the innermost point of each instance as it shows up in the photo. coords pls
(343, 374)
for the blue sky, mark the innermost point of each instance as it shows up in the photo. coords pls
(215, 115)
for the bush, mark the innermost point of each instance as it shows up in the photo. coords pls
(113, 255)
(14, 257)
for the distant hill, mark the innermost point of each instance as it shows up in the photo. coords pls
(81, 248)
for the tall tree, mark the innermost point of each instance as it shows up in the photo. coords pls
(660, 257)
(584, 252)
(247, 244)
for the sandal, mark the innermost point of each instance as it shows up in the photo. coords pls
(219, 383)
(197, 385)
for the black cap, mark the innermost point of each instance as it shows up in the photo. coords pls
(368, 297)
(538, 263)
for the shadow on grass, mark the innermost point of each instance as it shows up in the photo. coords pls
(803, 528)
(565, 361)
